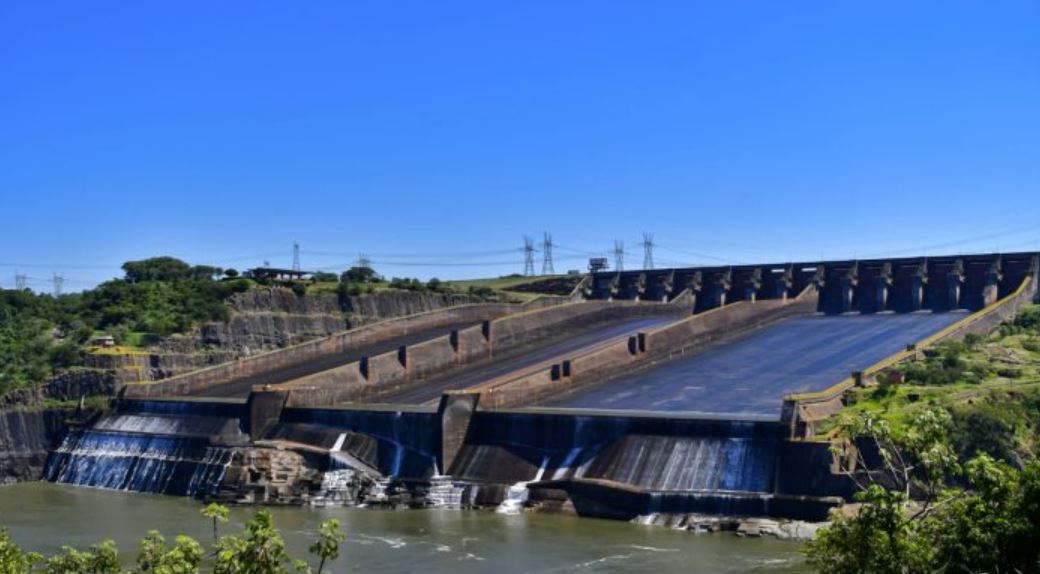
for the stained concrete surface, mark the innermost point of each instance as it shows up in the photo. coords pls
(543, 350)
(241, 387)
(751, 373)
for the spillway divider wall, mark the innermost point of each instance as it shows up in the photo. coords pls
(439, 355)
(592, 365)
(217, 375)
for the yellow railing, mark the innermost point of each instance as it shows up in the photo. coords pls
(903, 355)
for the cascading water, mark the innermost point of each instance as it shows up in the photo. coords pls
(517, 494)
(151, 446)
(445, 492)
(143, 463)
(688, 463)
(408, 441)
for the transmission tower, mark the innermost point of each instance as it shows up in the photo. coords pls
(21, 282)
(363, 261)
(648, 250)
(547, 262)
(528, 256)
(619, 255)
(295, 256)
(59, 282)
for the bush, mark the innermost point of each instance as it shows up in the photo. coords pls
(359, 275)
(407, 283)
(324, 277)
(983, 430)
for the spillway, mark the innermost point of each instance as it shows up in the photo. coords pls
(750, 374)
(407, 441)
(545, 349)
(163, 447)
(241, 387)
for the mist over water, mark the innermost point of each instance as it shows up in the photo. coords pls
(45, 516)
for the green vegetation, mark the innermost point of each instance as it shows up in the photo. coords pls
(41, 334)
(990, 524)
(157, 297)
(990, 386)
(259, 550)
(958, 488)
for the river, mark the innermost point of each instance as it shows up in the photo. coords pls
(44, 517)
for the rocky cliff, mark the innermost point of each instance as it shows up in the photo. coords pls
(269, 318)
(26, 437)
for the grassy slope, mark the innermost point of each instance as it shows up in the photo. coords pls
(1001, 381)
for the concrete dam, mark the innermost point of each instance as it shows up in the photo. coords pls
(676, 391)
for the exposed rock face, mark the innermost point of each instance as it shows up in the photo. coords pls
(378, 306)
(273, 317)
(270, 476)
(265, 475)
(743, 526)
(266, 318)
(25, 439)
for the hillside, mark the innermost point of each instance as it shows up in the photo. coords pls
(165, 317)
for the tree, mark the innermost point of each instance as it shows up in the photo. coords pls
(231, 273)
(911, 521)
(260, 551)
(326, 547)
(218, 513)
(157, 558)
(102, 558)
(156, 269)
(12, 559)
(359, 275)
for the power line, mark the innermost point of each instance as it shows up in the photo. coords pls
(487, 253)
(619, 255)
(699, 255)
(528, 256)
(648, 250)
(547, 256)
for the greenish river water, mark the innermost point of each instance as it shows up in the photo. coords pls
(45, 516)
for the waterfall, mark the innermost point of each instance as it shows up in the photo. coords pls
(445, 493)
(340, 487)
(143, 463)
(689, 463)
(517, 494)
(407, 441)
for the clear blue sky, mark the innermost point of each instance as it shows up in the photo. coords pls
(426, 132)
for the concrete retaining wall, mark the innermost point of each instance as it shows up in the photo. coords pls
(356, 381)
(297, 354)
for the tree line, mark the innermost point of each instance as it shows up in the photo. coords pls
(259, 549)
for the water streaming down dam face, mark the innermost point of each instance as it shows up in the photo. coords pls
(407, 441)
(167, 447)
(646, 453)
